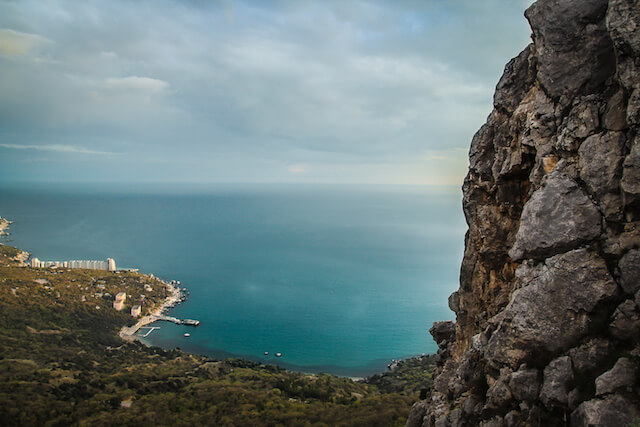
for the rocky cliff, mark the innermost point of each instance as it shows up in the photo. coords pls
(548, 310)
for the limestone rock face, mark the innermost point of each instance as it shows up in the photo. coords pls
(558, 376)
(524, 384)
(591, 355)
(622, 376)
(610, 411)
(630, 271)
(551, 310)
(559, 216)
(547, 327)
(631, 174)
(574, 48)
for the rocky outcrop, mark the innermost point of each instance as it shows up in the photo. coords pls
(4, 226)
(547, 327)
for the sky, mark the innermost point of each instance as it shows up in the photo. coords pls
(282, 91)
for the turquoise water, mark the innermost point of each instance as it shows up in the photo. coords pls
(337, 279)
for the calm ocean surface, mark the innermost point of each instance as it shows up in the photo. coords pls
(337, 279)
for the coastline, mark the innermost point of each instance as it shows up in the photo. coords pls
(4, 226)
(128, 333)
(70, 295)
(21, 257)
(175, 295)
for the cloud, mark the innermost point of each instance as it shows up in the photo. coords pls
(57, 148)
(266, 91)
(297, 168)
(15, 43)
(134, 83)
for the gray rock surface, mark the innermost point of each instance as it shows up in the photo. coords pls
(630, 182)
(498, 395)
(615, 115)
(525, 384)
(548, 310)
(518, 76)
(513, 419)
(611, 411)
(625, 324)
(630, 271)
(574, 50)
(582, 121)
(443, 332)
(633, 108)
(623, 375)
(558, 217)
(601, 162)
(418, 411)
(558, 378)
(591, 355)
(454, 302)
(623, 21)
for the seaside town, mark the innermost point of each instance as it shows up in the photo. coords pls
(143, 303)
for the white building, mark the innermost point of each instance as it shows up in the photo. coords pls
(136, 310)
(109, 264)
(118, 304)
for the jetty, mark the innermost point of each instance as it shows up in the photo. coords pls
(151, 329)
(177, 321)
(131, 330)
(175, 295)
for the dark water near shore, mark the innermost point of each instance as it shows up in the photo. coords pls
(337, 279)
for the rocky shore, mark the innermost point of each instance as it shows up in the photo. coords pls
(548, 310)
(4, 226)
(20, 256)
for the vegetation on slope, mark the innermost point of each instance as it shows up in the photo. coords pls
(409, 377)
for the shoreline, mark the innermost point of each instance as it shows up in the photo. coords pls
(128, 333)
(4, 226)
(176, 295)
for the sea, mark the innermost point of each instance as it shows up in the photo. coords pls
(337, 279)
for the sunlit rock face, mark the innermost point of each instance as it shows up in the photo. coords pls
(548, 310)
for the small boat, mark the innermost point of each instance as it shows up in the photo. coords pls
(266, 353)
(187, 335)
(278, 354)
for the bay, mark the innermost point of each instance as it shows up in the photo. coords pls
(338, 279)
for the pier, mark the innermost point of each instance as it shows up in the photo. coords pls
(129, 331)
(151, 329)
(168, 319)
(177, 321)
